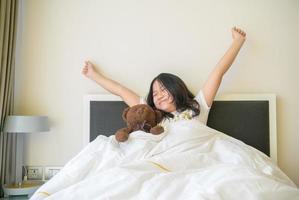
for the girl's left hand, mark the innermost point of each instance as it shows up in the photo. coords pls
(238, 34)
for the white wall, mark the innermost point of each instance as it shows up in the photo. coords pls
(128, 39)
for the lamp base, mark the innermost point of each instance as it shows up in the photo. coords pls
(26, 188)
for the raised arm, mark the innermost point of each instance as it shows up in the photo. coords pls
(129, 97)
(213, 82)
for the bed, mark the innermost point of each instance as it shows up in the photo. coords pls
(250, 118)
(234, 156)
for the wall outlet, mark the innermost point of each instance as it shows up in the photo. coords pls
(51, 171)
(34, 172)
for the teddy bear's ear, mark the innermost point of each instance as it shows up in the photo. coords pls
(124, 115)
(159, 116)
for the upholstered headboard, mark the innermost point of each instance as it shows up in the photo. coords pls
(250, 118)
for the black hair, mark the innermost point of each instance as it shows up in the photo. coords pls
(182, 97)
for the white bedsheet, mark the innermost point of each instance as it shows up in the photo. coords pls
(188, 161)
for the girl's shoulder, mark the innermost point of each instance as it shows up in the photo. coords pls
(200, 98)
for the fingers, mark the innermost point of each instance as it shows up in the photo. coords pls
(85, 68)
(87, 62)
(240, 31)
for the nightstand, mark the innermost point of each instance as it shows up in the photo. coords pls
(19, 197)
(27, 188)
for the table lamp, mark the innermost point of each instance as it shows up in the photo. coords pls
(22, 124)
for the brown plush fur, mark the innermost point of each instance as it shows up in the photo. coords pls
(140, 117)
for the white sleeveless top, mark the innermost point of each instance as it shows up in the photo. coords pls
(187, 114)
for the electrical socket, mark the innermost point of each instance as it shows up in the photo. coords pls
(34, 172)
(51, 171)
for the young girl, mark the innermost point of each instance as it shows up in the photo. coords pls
(105, 169)
(169, 93)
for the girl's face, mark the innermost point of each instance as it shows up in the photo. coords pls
(163, 100)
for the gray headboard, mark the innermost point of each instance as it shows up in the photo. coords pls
(250, 118)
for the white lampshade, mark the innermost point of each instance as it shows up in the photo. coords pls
(22, 124)
(26, 124)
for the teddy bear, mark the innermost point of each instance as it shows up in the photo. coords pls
(140, 117)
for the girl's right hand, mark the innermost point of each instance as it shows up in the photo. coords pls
(88, 70)
(238, 34)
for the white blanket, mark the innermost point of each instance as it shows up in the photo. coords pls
(188, 161)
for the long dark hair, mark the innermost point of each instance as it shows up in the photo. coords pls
(182, 97)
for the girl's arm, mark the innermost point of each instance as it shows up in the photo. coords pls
(129, 97)
(213, 82)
